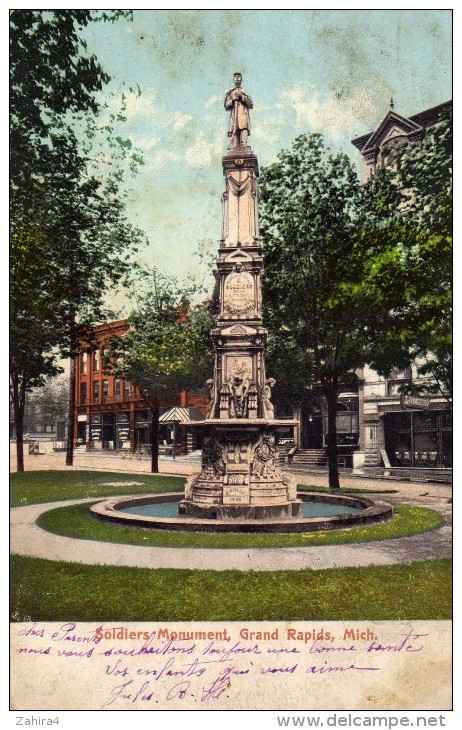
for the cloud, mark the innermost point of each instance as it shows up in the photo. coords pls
(213, 100)
(160, 158)
(300, 109)
(147, 143)
(334, 115)
(207, 144)
(267, 125)
(204, 151)
(143, 106)
(182, 120)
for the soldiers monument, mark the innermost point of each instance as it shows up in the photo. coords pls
(240, 476)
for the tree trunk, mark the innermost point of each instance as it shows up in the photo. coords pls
(155, 410)
(71, 414)
(19, 401)
(331, 395)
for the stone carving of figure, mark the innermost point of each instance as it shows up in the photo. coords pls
(238, 103)
(239, 383)
(211, 387)
(268, 408)
(264, 465)
(213, 464)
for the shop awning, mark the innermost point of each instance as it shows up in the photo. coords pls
(181, 415)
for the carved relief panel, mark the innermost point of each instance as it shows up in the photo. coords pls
(265, 462)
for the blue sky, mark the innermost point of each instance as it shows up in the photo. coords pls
(330, 71)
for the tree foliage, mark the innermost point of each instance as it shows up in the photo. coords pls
(46, 406)
(357, 275)
(411, 271)
(312, 206)
(167, 348)
(70, 237)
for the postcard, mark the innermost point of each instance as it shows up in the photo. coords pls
(231, 420)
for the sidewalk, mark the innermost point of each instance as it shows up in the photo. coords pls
(180, 466)
(421, 492)
(29, 539)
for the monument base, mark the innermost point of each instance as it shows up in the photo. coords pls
(187, 508)
(240, 478)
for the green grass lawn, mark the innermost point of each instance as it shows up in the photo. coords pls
(45, 590)
(346, 490)
(77, 521)
(34, 487)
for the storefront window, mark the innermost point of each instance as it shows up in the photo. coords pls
(123, 431)
(426, 449)
(142, 416)
(446, 418)
(347, 424)
(95, 429)
(418, 439)
(446, 455)
(424, 420)
(400, 420)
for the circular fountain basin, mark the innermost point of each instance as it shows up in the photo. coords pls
(320, 512)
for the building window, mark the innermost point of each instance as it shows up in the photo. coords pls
(117, 388)
(96, 391)
(397, 379)
(96, 361)
(83, 363)
(396, 374)
(83, 393)
(126, 390)
(105, 390)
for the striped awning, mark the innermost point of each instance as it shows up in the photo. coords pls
(181, 415)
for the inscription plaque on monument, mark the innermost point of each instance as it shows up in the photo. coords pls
(239, 294)
(236, 494)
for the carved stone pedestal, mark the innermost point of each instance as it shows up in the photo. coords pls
(241, 477)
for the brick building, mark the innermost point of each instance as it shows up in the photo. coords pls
(110, 412)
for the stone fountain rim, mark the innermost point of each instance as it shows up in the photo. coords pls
(370, 512)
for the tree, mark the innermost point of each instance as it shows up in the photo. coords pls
(310, 214)
(47, 405)
(70, 238)
(31, 331)
(167, 348)
(357, 275)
